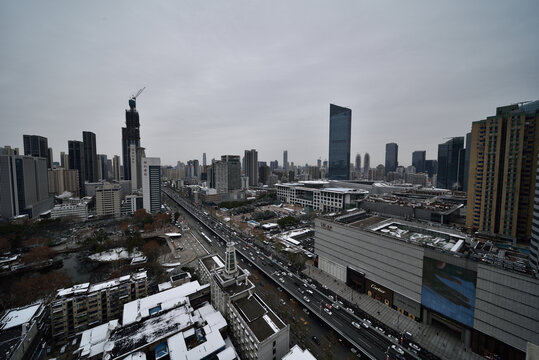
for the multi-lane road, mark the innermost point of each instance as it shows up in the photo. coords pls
(374, 342)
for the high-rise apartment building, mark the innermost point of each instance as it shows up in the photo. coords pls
(8, 150)
(90, 156)
(204, 159)
(418, 160)
(151, 184)
(64, 160)
(251, 166)
(61, 180)
(285, 160)
(136, 153)
(392, 156)
(102, 172)
(49, 158)
(24, 186)
(466, 162)
(130, 136)
(340, 127)
(226, 174)
(366, 164)
(76, 162)
(451, 164)
(503, 165)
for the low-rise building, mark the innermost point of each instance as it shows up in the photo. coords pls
(315, 195)
(78, 211)
(20, 330)
(85, 305)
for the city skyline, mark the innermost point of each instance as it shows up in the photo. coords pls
(394, 77)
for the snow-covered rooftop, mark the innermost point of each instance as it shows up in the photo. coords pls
(87, 288)
(93, 340)
(140, 308)
(18, 316)
(296, 353)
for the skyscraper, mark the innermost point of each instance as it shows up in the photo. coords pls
(76, 162)
(358, 162)
(102, 173)
(285, 160)
(90, 156)
(151, 184)
(392, 156)
(431, 167)
(64, 160)
(116, 168)
(24, 186)
(35, 145)
(418, 160)
(366, 164)
(502, 170)
(50, 159)
(204, 159)
(534, 245)
(449, 158)
(130, 136)
(340, 127)
(251, 166)
(467, 162)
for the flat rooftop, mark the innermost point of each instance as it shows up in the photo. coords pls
(261, 320)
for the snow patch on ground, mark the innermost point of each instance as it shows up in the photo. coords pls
(114, 255)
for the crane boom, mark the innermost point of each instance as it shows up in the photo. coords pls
(139, 92)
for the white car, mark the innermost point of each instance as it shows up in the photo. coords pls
(306, 299)
(392, 338)
(327, 311)
(397, 349)
(356, 325)
(414, 347)
(309, 291)
(380, 329)
(366, 323)
(281, 280)
(350, 310)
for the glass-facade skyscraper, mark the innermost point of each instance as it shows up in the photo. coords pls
(449, 158)
(340, 126)
(392, 156)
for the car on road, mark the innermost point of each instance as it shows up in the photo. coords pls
(366, 323)
(313, 286)
(396, 350)
(350, 310)
(310, 291)
(414, 347)
(356, 325)
(380, 329)
(392, 338)
(306, 299)
(316, 341)
(324, 287)
(327, 311)
(336, 305)
(281, 280)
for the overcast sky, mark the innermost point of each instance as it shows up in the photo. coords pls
(225, 76)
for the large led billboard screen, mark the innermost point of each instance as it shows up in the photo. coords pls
(449, 290)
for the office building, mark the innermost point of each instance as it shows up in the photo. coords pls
(449, 159)
(151, 184)
(251, 166)
(263, 174)
(85, 305)
(285, 160)
(108, 200)
(77, 211)
(225, 175)
(418, 160)
(467, 152)
(102, 171)
(116, 171)
(204, 159)
(340, 127)
(50, 160)
(90, 156)
(274, 165)
(431, 167)
(77, 162)
(62, 180)
(503, 164)
(485, 295)
(110, 171)
(130, 136)
(316, 195)
(136, 154)
(24, 186)
(37, 146)
(392, 156)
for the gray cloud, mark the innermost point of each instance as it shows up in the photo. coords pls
(227, 76)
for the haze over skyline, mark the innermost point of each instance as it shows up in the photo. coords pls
(225, 77)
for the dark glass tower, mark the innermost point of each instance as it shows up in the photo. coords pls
(418, 160)
(130, 136)
(76, 162)
(90, 156)
(449, 155)
(340, 126)
(392, 155)
(37, 146)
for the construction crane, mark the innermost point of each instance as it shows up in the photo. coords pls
(133, 100)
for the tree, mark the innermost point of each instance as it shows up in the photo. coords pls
(176, 216)
(151, 250)
(29, 289)
(134, 240)
(5, 245)
(287, 221)
(148, 228)
(39, 253)
(124, 226)
(161, 220)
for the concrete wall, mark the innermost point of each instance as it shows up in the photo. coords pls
(392, 263)
(507, 306)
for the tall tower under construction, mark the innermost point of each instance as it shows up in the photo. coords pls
(130, 134)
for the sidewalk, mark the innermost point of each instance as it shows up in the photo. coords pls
(436, 340)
